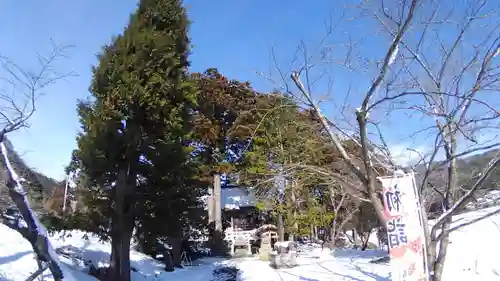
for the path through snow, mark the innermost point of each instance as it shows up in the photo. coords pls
(473, 255)
(317, 266)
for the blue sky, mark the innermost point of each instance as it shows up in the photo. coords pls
(233, 36)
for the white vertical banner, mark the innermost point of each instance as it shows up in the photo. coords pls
(405, 235)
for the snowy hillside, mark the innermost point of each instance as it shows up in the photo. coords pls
(472, 256)
(491, 198)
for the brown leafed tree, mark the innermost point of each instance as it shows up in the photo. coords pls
(220, 133)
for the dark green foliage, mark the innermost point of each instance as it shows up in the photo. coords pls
(132, 148)
(313, 214)
(171, 200)
(283, 135)
(285, 141)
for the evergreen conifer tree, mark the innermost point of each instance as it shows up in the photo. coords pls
(141, 103)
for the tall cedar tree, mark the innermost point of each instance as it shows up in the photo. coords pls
(141, 101)
(220, 135)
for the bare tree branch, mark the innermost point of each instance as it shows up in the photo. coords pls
(15, 111)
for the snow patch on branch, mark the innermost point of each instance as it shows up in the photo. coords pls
(394, 55)
(31, 220)
(18, 188)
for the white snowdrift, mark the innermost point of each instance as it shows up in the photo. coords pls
(17, 260)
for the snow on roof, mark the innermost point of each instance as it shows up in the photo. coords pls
(234, 197)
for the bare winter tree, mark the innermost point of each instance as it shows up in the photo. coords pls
(342, 194)
(436, 63)
(17, 105)
(344, 206)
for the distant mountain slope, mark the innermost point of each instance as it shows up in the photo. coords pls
(468, 169)
(38, 186)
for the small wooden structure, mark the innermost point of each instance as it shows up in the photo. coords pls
(240, 233)
(239, 212)
(237, 209)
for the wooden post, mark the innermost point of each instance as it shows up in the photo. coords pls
(217, 240)
(217, 203)
(281, 228)
(292, 237)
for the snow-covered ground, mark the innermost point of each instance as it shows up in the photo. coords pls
(472, 256)
(17, 260)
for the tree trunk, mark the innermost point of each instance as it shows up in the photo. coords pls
(333, 233)
(438, 252)
(120, 254)
(217, 203)
(176, 244)
(439, 260)
(122, 227)
(217, 245)
(281, 228)
(334, 227)
(333, 230)
(365, 237)
(428, 242)
(167, 260)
